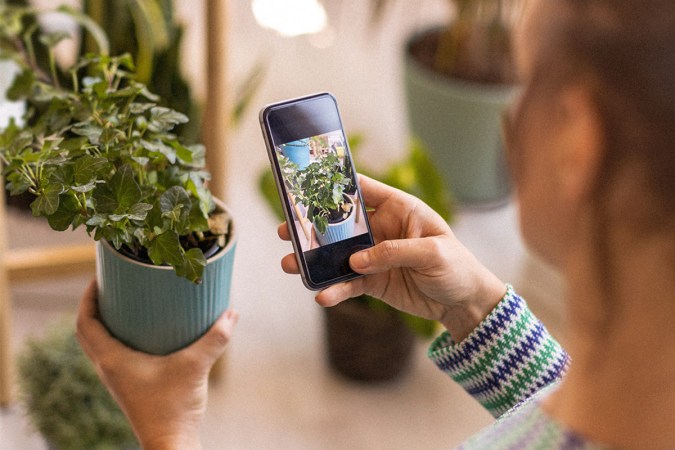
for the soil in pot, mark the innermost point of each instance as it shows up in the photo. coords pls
(473, 63)
(365, 344)
(209, 246)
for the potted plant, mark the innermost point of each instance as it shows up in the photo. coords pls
(367, 340)
(64, 398)
(458, 79)
(95, 150)
(320, 188)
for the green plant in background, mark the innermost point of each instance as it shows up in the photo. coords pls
(148, 30)
(415, 174)
(101, 152)
(64, 399)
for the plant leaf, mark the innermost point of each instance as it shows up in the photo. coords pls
(47, 201)
(84, 187)
(104, 198)
(139, 211)
(163, 119)
(65, 214)
(166, 248)
(193, 267)
(158, 146)
(90, 131)
(175, 204)
(22, 85)
(52, 39)
(124, 187)
(86, 168)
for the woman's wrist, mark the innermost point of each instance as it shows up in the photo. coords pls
(166, 434)
(462, 318)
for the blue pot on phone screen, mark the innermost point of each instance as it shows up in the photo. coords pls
(298, 152)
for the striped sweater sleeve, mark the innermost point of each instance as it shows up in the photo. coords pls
(506, 359)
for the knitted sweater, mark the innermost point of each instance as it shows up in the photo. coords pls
(509, 363)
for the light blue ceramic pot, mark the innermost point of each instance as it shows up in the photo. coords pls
(298, 152)
(339, 231)
(152, 309)
(459, 124)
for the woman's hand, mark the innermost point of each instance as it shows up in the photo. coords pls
(164, 397)
(417, 266)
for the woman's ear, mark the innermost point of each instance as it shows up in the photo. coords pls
(580, 149)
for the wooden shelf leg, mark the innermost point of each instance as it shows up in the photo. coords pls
(6, 357)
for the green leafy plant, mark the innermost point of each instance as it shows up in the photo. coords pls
(100, 153)
(63, 397)
(148, 30)
(320, 187)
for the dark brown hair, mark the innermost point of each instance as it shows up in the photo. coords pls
(626, 48)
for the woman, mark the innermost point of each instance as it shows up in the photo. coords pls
(591, 144)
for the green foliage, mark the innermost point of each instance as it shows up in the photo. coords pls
(416, 174)
(65, 400)
(422, 327)
(147, 30)
(320, 187)
(102, 154)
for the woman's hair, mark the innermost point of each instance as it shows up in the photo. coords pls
(625, 49)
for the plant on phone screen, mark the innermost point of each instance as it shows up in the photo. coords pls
(321, 188)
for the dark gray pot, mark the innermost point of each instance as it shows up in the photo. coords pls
(367, 345)
(459, 124)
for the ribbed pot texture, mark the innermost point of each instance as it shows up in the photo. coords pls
(152, 309)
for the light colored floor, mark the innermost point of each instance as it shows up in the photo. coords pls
(278, 391)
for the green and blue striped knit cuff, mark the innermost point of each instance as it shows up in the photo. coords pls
(506, 359)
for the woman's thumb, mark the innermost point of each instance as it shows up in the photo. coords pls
(390, 254)
(212, 345)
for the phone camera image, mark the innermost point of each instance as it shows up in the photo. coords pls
(321, 188)
(317, 184)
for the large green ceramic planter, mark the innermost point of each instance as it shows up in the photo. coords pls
(459, 124)
(153, 310)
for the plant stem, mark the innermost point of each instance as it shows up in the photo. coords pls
(52, 68)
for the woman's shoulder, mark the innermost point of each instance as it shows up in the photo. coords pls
(526, 426)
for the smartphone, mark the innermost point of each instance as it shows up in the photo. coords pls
(318, 186)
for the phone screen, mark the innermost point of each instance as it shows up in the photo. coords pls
(318, 185)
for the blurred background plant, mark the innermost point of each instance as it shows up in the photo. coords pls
(151, 33)
(474, 43)
(63, 397)
(459, 76)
